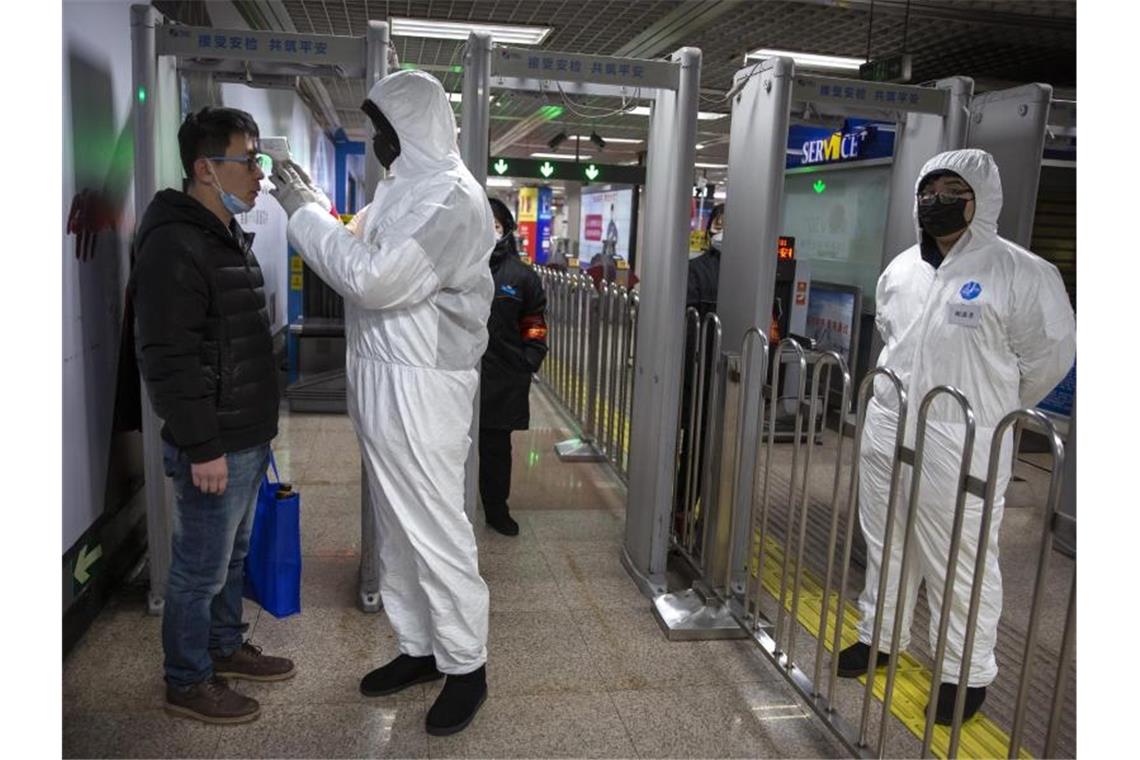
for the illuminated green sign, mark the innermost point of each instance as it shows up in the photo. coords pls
(819, 186)
(542, 169)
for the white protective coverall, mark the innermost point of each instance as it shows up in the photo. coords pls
(1016, 342)
(417, 288)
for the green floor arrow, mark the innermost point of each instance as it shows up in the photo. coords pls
(84, 561)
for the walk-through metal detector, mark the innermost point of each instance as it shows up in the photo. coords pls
(1009, 124)
(258, 56)
(673, 86)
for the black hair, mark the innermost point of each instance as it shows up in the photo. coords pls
(717, 213)
(208, 133)
(503, 214)
(936, 174)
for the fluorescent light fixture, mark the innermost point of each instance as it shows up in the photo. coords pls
(810, 60)
(700, 146)
(711, 166)
(507, 34)
(702, 115)
(457, 97)
(608, 139)
(500, 182)
(720, 195)
(563, 156)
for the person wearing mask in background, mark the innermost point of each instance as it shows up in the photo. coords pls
(703, 280)
(515, 349)
(206, 355)
(966, 308)
(417, 289)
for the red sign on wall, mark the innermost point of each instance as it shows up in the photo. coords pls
(594, 227)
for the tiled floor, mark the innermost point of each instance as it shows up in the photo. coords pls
(577, 665)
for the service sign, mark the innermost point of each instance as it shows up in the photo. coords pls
(858, 140)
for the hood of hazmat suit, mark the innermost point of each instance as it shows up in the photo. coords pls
(417, 290)
(992, 320)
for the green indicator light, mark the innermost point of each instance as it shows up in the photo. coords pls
(546, 169)
(592, 172)
(501, 166)
(532, 458)
(408, 66)
(142, 94)
(819, 186)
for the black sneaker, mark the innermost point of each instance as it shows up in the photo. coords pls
(456, 705)
(399, 674)
(948, 693)
(854, 661)
(499, 518)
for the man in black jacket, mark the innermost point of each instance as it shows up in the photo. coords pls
(206, 354)
(701, 294)
(516, 346)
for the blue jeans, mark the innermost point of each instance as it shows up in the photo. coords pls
(202, 610)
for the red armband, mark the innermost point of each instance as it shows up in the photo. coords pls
(533, 328)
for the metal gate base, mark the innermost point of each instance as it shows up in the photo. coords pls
(690, 616)
(578, 450)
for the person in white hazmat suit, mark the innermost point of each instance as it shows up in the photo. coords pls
(417, 288)
(966, 308)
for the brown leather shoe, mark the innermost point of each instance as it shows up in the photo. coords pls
(212, 701)
(247, 662)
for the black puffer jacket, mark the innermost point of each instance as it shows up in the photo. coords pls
(516, 343)
(203, 334)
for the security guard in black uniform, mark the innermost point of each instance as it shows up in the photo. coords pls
(516, 346)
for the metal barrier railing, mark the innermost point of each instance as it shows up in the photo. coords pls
(785, 583)
(589, 367)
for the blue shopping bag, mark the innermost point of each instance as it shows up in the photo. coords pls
(273, 564)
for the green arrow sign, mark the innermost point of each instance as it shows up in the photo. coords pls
(546, 169)
(819, 186)
(501, 166)
(592, 172)
(84, 562)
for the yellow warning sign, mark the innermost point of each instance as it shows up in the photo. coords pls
(297, 264)
(296, 282)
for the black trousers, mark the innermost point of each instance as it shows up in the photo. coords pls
(494, 468)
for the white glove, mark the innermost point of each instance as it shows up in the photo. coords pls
(293, 189)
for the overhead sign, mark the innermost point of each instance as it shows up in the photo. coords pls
(895, 68)
(247, 44)
(527, 63)
(544, 169)
(857, 140)
(861, 94)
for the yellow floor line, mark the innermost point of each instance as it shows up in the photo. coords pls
(551, 377)
(980, 738)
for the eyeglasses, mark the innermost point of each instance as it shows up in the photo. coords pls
(252, 161)
(947, 199)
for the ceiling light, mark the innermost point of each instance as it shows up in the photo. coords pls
(809, 60)
(702, 115)
(562, 156)
(700, 146)
(711, 166)
(608, 139)
(557, 140)
(499, 182)
(507, 34)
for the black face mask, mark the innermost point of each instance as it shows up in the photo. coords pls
(385, 143)
(942, 219)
